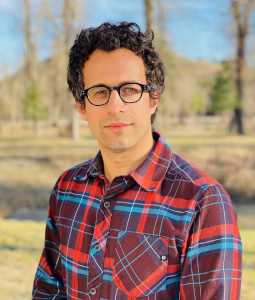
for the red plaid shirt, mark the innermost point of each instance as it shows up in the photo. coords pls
(164, 231)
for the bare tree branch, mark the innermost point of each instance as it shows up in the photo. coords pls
(29, 46)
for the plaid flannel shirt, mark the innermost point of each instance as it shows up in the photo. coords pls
(164, 231)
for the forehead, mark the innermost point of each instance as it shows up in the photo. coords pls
(113, 68)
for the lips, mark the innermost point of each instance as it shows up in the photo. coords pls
(117, 126)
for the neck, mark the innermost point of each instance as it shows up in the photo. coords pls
(121, 163)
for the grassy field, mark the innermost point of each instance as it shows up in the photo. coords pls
(30, 166)
(248, 279)
(21, 244)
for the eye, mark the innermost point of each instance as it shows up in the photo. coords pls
(98, 92)
(131, 89)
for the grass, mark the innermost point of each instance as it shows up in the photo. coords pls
(248, 279)
(21, 243)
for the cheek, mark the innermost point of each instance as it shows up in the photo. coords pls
(93, 119)
(143, 113)
(93, 127)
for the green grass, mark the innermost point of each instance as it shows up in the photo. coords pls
(248, 279)
(21, 244)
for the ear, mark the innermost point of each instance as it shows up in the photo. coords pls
(81, 111)
(154, 105)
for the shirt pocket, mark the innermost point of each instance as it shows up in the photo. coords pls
(140, 263)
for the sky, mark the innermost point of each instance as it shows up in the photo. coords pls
(197, 29)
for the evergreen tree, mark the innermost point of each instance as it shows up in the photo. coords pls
(223, 94)
(197, 103)
(34, 108)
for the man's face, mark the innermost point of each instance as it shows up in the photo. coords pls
(118, 126)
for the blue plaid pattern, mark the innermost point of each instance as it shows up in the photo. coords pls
(164, 231)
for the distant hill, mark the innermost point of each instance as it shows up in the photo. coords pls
(186, 79)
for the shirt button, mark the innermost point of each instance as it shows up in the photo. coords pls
(97, 248)
(93, 291)
(163, 257)
(107, 204)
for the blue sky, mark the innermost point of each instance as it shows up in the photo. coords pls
(198, 29)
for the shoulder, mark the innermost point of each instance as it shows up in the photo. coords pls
(79, 171)
(190, 182)
(202, 194)
(190, 173)
(179, 175)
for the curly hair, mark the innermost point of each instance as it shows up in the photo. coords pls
(109, 37)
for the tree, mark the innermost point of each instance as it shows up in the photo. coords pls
(69, 14)
(29, 45)
(197, 103)
(241, 10)
(223, 94)
(61, 19)
(156, 18)
(51, 22)
(149, 17)
(34, 108)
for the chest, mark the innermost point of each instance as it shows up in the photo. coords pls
(121, 237)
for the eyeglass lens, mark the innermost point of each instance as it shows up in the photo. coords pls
(129, 92)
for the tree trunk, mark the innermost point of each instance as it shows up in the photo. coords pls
(69, 17)
(241, 12)
(240, 64)
(149, 18)
(29, 46)
(239, 120)
(75, 124)
(37, 129)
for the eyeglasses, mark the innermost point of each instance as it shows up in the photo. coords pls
(129, 93)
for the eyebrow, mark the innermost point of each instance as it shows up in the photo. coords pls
(123, 82)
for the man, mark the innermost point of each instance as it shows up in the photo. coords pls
(137, 221)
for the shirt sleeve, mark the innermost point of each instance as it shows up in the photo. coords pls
(212, 252)
(48, 282)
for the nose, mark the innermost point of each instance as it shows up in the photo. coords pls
(115, 103)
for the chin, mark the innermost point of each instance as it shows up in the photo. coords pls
(118, 146)
(118, 149)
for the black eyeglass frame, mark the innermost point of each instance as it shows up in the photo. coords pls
(144, 87)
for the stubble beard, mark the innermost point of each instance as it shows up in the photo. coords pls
(119, 143)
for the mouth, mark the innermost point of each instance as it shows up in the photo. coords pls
(117, 126)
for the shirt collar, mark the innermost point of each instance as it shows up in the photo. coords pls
(153, 170)
(96, 166)
(150, 173)
(92, 167)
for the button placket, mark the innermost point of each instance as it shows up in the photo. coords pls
(97, 248)
(104, 214)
